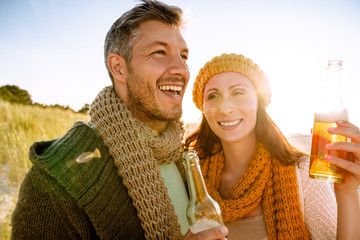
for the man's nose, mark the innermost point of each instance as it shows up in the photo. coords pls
(179, 67)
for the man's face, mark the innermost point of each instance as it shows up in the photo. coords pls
(157, 73)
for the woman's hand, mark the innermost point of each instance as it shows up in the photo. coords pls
(347, 196)
(352, 165)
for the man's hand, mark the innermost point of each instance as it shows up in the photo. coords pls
(217, 233)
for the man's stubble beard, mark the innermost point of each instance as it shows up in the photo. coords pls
(143, 103)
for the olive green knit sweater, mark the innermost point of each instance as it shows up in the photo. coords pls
(77, 201)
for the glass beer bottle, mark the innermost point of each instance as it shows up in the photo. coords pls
(202, 212)
(331, 110)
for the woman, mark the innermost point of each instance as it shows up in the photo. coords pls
(260, 181)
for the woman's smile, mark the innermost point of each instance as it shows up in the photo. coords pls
(230, 123)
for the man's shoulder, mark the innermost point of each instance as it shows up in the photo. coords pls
(94, 185)
(57, 157)
(80, 138)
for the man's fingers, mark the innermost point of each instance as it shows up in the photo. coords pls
(214, 233)
(217, 233)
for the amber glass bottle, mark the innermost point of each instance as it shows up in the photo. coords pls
(330, 110)
(203, 212)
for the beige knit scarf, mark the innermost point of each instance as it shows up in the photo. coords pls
(137, 151)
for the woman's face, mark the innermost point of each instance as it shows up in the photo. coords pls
(230, 106)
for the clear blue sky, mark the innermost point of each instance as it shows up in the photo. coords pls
(54, 48)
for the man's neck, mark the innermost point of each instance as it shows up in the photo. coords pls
(157, 126)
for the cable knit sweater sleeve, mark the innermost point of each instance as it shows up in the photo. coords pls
(42, 213)
(60, 199)
(319, 205)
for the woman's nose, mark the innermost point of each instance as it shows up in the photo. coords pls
(226, 107)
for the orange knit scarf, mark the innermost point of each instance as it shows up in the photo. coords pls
(267, 181)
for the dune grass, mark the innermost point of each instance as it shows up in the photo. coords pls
(20, 126)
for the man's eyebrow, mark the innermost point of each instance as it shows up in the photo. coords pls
(185, 50)
(158, 43)
(165, 44)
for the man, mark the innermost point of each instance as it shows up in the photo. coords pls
(135, 189)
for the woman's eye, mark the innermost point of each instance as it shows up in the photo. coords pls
(239, 93)
(212, 96)
(185, 57)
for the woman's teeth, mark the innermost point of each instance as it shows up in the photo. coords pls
(227, 124)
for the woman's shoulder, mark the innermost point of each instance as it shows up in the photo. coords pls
(308, 183)
(318, 203)
(313, 191)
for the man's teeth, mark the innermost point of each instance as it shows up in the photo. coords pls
(227, 124)
(171, 88)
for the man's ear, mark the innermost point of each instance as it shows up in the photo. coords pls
(118, 67)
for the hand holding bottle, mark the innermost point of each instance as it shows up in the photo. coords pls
(217, 233)
(203, 212)
(346, 193)
(330, 110)
(352, 165)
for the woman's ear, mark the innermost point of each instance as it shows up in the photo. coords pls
(118, 68)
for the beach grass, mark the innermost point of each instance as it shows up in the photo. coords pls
(20, 126)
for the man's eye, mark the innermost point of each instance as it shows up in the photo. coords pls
(185, 57)
(162, 52)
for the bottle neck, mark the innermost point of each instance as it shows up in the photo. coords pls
(330, 106)
(196, 184)
(333, 86)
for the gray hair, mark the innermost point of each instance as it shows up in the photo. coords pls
(123, 34)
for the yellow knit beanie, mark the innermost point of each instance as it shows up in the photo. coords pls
(232, 63)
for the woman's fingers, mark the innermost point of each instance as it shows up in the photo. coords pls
(346, 129)
(343, 123)
(353, 167)
(352, 147)
(351, 131)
